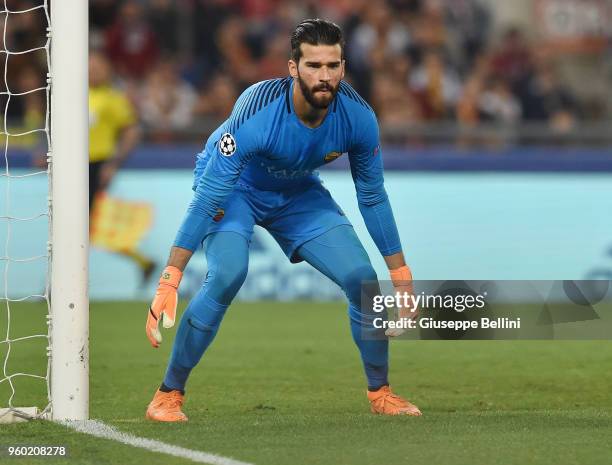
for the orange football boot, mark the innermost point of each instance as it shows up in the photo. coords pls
(385, 402)
(166, 406)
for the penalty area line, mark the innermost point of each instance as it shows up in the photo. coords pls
(101, 430)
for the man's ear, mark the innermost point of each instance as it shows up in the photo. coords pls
(343, 69)
(293, 68)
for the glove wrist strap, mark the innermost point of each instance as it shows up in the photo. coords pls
(402, 273)
(171, 276)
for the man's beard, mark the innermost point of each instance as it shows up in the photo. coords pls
(318, 102)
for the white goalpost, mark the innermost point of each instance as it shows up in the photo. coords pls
(69, 155)
(66, 294)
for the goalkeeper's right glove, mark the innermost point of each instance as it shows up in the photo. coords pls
(164, 304)
(403, 284)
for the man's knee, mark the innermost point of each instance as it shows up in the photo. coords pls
(227, 254)
(355, 279)
(207, 320)
(227, 278)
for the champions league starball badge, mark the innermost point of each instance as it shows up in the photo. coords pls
(227, 145)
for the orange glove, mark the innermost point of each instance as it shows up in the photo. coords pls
(402, 279)
(402, 282)
(163, 307)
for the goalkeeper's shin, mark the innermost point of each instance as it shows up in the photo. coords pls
(163, 308)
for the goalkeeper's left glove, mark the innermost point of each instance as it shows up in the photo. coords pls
(164, 304)
(402, 282)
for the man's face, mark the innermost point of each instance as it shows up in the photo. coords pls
(319, 73)
(99, 70)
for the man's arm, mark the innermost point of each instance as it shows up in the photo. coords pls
(228, 157)
(213, 188)
(367, 171)
(395, 261)
(179, 258)
(129, 139)
(375, 208)
(216, 184)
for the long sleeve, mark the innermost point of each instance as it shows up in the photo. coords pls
(229, 156)
(367, 172)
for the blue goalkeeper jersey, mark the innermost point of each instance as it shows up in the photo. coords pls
(264, 144)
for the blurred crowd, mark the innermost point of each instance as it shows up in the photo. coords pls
(184, 62)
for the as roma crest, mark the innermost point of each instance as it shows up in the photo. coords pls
(331, 156)
(219, 216)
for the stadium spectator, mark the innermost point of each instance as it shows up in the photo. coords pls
(544, 98)
(394, 103)
(236, 58)
(102, 13)
(399, 68)
(497, 104)
(25, 112)
(274, 61)
(167, 101)
(429, 27)
(31, 100)
(437, 86)
(24, 32)
(468, 23)
(131, 42)
(380, 37)
(468, 106)
(379, 31)
(217, 100)
(208, 17)
(23, 69)
(512, 59)
(164, 20)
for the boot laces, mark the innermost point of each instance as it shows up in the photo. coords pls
(173, 400)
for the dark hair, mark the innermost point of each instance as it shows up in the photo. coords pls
(315, 32)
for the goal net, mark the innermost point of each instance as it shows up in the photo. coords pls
(43, 210)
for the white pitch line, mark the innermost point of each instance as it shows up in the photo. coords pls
(101, 430)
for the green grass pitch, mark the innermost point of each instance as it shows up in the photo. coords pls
(282, 384)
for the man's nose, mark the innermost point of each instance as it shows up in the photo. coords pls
(324, 76)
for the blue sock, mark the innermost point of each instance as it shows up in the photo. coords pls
(373, 347)
(196, 331)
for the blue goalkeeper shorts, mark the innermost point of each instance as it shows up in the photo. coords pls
(292, 217)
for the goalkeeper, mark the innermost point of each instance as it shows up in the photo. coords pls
(258, 168)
